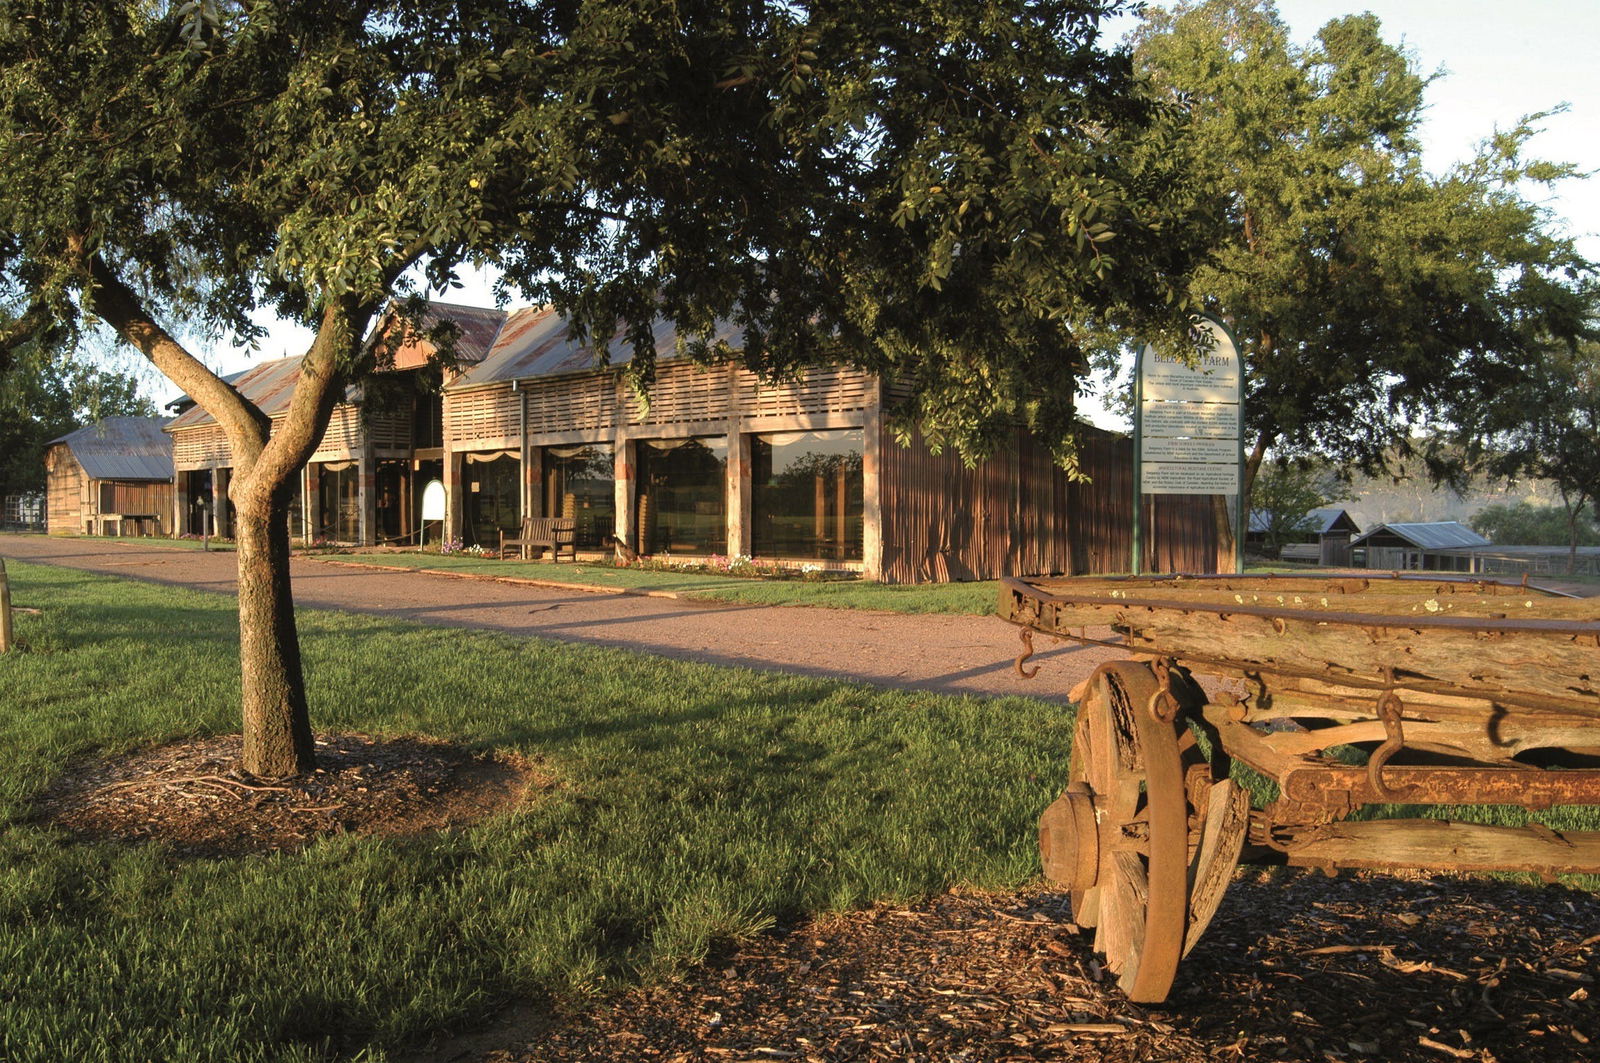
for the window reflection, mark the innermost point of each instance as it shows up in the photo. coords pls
(580, 482)
(683, 495)
(807, 494)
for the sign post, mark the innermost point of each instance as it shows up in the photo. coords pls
(1188, 426)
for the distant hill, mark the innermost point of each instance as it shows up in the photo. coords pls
(1379, 500)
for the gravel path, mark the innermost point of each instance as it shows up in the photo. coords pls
(943, 653)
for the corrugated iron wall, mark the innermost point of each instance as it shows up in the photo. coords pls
(1018, 515)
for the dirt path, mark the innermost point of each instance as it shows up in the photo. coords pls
(947, 654)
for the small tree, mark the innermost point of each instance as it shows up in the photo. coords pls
(1546, 426)
(1285, 494)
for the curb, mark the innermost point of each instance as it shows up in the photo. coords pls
(522, 581)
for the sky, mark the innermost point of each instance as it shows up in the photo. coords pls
(1497, 62)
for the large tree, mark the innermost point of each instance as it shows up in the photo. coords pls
(1367, 294)
(936, 190)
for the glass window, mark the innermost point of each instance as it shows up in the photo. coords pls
(339, 502)
(493, 497)
(807, 494)
(683, 502)
(580, 482)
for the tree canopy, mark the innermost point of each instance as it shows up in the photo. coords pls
(1368, 295)
(938, 191)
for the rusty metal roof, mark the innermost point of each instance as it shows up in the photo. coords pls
(268, 385)
(122, 448)
(536, 341)
(479, 326)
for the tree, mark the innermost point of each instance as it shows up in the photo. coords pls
(1367, 295)
(1285, 494)
(938, 191)
(1524, 524)
(43, 396)
(1546, 425)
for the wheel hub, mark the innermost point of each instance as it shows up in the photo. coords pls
(1069, 839)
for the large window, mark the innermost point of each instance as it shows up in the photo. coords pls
(493, 497)
(683, 495)
(806, 494)
(580, 482)
(339, 502)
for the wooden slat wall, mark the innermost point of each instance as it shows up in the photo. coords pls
(200, 448)
(65, 487)
(117, 496)
(486, 413)
(1017, 514)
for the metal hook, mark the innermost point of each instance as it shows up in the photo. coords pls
(1027, 641)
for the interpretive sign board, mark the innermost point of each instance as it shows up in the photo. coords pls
(1188, 425)
(1189, 416)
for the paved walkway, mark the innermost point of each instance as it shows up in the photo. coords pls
(948, 654)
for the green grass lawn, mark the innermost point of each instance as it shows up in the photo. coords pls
(693, 804)
(977, 597)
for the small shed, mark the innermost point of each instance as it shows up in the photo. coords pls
(110, 478)
(1435, 546)
(1324, 539)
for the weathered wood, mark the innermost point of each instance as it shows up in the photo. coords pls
(1435, 844)
(6, 632)
(1523, 650)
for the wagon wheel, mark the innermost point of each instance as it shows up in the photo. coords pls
(1146, 843)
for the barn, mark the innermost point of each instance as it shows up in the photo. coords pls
(113, 477)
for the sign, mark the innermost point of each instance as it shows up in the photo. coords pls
(1189, 422)
(433, 501)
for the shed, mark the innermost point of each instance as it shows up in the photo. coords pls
(1323, 539)
(110, 477)
(1435, 546)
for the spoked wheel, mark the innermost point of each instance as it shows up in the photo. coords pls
(1120, 837)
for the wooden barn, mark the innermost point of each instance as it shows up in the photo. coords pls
(718, 462)
(382, 444)
(110, 478)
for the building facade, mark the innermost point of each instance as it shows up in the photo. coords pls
(711, 461)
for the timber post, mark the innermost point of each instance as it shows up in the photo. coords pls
(6, 633)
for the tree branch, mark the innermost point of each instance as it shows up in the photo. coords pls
(114, 302)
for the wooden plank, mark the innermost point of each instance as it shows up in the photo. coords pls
(6, 632)
(1388, 845)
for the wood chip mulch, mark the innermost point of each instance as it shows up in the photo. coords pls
(191, 797)
(1296, 967)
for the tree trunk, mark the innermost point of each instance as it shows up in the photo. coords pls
(277, 721)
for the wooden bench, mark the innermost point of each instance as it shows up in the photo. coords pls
(557, 534)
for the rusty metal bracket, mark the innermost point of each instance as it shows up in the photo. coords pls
(1391, 712)
(1163, 703)
(1027, 642)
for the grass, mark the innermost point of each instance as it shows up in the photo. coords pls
(693, 805)
(975, 598)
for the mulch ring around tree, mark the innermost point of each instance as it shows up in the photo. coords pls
(191, 796)
(1296, 967)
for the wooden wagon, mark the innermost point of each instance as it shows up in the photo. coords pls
(1344, 693)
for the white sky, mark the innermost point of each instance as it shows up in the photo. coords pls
(1499, 61)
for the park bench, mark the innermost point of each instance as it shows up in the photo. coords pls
(557, 534)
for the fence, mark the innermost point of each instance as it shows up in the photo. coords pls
(23, 512)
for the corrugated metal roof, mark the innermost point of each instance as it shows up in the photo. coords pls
(479, 326)
(536, 341)
(1434, 535)
(268, 385)
(122, 448)
(1323, 520)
